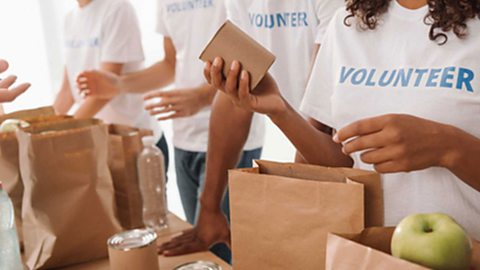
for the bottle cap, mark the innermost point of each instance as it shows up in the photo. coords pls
(148, 141)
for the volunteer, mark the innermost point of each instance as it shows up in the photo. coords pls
(400, 81)
(289, 29)
(104, 34)
(187, 29)
(8, 93)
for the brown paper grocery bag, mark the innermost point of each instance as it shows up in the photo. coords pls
(125, 143)
(68, 204)
(9, 167)
(281, 213)
(370, 250)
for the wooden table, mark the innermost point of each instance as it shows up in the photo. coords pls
(175, 226)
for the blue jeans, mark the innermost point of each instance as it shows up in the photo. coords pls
(190, 168)
(163, 146)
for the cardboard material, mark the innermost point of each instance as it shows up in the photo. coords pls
(231, 43)
(68, 205)
(9, 166)
(370, 250)
(281, 213)
(125, 143)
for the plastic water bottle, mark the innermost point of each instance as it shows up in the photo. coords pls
(9, 248)
(152, 180)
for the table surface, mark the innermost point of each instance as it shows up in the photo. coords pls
(175, 226)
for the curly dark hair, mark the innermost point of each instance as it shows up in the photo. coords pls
(443, 16)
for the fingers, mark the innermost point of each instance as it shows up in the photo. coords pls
(3, 65)
(231, 84)
(216, 73)
(20, 89)
(244, 87)
(361, 127)
(161, 94)
(206, 72)
(173, 116)
(361, 143)
(7, 82)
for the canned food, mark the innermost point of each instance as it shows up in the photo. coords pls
(135, 249)
(133, 239)
(199, 265)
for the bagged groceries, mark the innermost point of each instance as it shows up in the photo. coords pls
(68, 204)
(281, 213)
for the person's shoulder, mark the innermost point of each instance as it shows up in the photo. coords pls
(117, 5)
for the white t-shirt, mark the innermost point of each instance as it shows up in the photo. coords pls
(191, 25)
(107, 31)
(364, 73)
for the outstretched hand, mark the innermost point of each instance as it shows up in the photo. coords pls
(7, 92)
(99, 84)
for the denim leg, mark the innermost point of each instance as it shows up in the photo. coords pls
(187, 182)
(246, 161)
(163, 146)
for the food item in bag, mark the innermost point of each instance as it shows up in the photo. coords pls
(12, 125)
(432, 240)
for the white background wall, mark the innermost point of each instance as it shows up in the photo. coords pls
(31, 40)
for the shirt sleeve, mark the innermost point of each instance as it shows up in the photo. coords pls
(121, 40)
(161, 27)
(233, 11)
(324, 10)
(317, 99)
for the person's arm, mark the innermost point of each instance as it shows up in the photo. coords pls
(102, 84)
(92, 105)
(179, 102)
(403, 143)
(64, 100)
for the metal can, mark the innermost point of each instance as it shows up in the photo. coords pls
(199, 265)
(135, 249)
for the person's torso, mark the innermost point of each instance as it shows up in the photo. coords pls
(398, 69)
(83, 39)
(190, 25)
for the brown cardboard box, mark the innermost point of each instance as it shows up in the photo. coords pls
(231, 43)
(281, 212)
(370, 250)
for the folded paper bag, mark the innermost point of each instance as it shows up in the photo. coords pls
(281, 212)
(231, 43)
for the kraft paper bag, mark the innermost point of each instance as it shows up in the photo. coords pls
(370, 250)
(281, 212)
(231, 43)
(125, 143)
(9, 167)
(68, 204)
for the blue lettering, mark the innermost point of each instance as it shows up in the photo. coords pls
(272, 21)
(433, 76)
(465, 77)
(447, 76)
(404, 78)
(281, 20)
(344, 75)
(359, 76)
(370, 77)
(302, 17)
(420, 73)
(384, 82)
(258, 20)
(294, 19)
(252, 17)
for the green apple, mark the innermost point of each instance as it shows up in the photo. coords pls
(433, 240)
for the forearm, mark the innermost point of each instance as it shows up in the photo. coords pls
(156, 76)
(463, 156)
(63, 102)
(315, 146)
(90, 107)
(229, 129)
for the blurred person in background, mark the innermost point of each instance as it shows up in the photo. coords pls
(104, 35)
(187, 27)
(293, 31)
